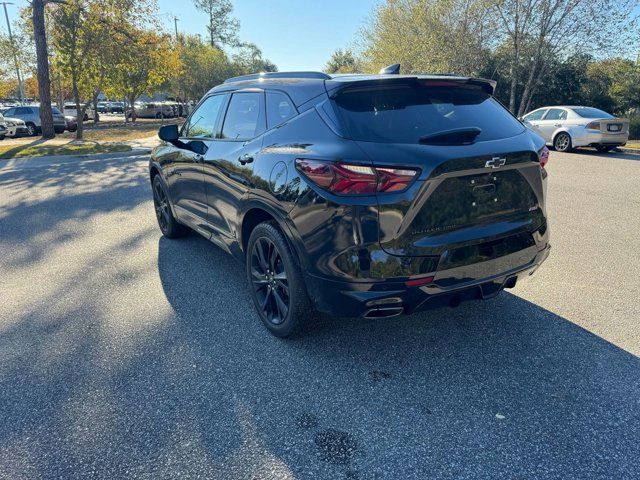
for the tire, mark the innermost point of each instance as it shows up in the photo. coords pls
(1, 137)
(32, 131)
(85, 118)
(604, 148)
(562, 142)
(169, 226)
(158, 115)
(276, 282)
(59, 130)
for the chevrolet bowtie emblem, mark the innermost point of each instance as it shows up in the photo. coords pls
(495, 162)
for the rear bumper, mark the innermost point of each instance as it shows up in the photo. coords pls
(390, 298)
(586, 138)
(17, 131)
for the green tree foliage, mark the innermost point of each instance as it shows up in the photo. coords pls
(222, 27)
(429, 36)
(343, 61)
(249, 59)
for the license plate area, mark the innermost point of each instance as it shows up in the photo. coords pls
(462, 201)
(614, 127)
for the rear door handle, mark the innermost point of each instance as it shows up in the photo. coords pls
(246, 158)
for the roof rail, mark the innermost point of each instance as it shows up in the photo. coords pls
(256, 76)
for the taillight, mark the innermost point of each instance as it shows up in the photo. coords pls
(543, 155)
(593, 126)
(350, 179)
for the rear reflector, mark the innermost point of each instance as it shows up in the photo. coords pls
(351, 179)
(418, 282)
(543, 155)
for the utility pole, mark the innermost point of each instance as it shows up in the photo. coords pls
(175, 22)
(15, 55)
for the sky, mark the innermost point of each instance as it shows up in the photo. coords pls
(293, 34)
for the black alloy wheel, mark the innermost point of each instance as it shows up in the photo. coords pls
(168, 224)
(277, 286)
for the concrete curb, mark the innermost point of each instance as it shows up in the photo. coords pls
(36, 162)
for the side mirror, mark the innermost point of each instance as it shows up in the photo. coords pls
(198, 146)
(168, 133)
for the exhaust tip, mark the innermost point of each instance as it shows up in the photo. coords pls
(384, 312)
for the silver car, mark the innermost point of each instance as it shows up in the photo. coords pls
(30, 115)
(14, 127)
(569, 127)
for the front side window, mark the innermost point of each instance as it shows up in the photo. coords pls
(279, 109)
(556, 114)
(23, 111)
(242, 121)
(537, 115)
(202, 123)
(10, 112)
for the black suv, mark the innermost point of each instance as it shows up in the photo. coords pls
(359, 195)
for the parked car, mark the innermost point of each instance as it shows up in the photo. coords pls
(14, 126)
(3, 131)
(70, 110)
(104, 107)
(30, 115)
(71, 123)
(117, 107)
(358, 195)
(153, 110)
(569, 127)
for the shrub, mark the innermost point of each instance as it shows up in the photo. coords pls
(634, 127)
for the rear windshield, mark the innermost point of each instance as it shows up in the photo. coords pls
(589, 112)
(405, 113)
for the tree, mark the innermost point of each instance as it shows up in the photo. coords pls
(429, 36)
(538, 30)
(147, 62)
(42, 56)
(249, 59)
(8, 87)
(207, 66)
(222, 27)
(343, 61)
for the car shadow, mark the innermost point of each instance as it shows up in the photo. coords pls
(496, 389)
(617, 154)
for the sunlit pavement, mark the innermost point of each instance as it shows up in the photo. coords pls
(125, 355)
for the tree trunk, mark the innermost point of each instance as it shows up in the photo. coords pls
(44, 81)
(79, 112)
(96, 116)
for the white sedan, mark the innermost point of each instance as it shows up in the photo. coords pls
(569, 127)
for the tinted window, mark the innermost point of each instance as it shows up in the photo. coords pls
(537, 115)
(56, 111)
(556, 114)
(405, 113)
(279, 109)
(23, 111)
(243, 117)
(202, 123)
(588, 112)
(11, 111)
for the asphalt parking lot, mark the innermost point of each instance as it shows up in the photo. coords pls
(126, 355)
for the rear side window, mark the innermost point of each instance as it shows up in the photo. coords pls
(243, 120)
(556, 114)
(405, 113)
(23, 111)
(279, 109)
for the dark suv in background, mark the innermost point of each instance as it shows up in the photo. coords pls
(359, 195)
